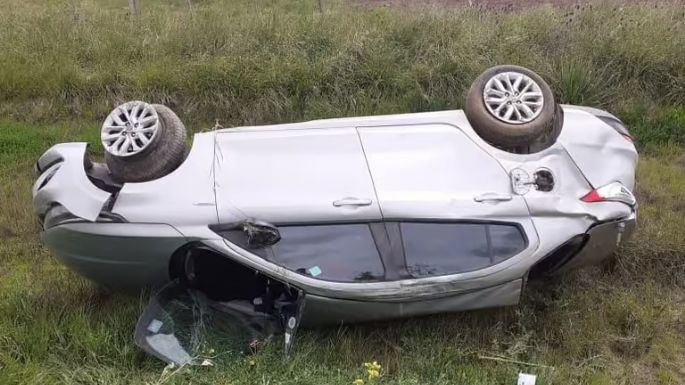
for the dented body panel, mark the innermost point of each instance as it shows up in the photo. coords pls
(326, 310)
(593, 142)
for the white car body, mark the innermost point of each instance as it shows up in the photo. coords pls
(423, 167)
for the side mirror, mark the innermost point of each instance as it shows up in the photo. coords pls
(260, 234)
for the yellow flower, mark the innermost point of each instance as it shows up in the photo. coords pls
(252, 363)
(358, 381)
(373, 370)
(372, 366)
(373, 374)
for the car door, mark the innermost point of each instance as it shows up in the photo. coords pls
(314, 187)
(292, 176)
(449, 207)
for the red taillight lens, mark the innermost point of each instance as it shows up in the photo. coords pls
(612, 192)
(592, 196)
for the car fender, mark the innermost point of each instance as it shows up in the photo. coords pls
(63, 181)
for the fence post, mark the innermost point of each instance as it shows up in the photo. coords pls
(133, 4)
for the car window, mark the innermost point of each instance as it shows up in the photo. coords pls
(505, 242)
(449, 248)
(239, 237)
(345, 253)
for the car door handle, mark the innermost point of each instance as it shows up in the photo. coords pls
(352, 202)
(492, 197)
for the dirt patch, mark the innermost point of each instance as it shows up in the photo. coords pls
(496, 5)
(6, 233)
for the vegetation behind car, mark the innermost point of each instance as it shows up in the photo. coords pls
(248, 63)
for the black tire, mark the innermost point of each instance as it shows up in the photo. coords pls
(505, 135)
(160, 158)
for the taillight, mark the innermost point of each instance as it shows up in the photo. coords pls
(612, 192)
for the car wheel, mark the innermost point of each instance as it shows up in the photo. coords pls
(142, 141)
(511, 107)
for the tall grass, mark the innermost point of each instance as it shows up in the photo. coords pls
(247, 62)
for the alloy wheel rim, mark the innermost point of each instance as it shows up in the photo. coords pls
(129, 129)
(513, 97)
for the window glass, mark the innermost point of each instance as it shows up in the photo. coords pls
(448, 248)
(238, 237)
(345, 253)
(443, 248)
(505, 241)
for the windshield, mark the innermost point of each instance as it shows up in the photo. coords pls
(182, 326)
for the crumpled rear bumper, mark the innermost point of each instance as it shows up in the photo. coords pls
(602, 241)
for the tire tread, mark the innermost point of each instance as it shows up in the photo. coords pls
(160, 158)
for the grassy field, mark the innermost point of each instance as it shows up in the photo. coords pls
(66, 63)
(251, 62)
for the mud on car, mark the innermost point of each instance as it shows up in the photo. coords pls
(341, 220)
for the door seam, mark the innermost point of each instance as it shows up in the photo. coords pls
(368, 169)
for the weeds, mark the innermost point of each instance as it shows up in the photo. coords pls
(250, 63)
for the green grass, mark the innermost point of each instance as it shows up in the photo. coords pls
(66, 63)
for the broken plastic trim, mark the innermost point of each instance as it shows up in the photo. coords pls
(260, 233)
(252, 234)
(551, 263)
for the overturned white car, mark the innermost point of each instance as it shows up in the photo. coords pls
(344, 219)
